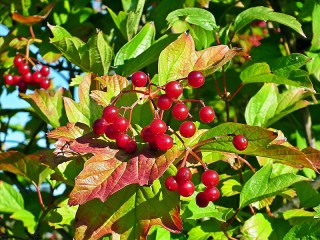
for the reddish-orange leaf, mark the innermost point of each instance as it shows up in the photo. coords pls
(30, 20)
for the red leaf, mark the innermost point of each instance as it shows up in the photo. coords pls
(313, 155)
(30, 20)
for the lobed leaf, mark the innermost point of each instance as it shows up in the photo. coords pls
(129, 213)
(27, 218)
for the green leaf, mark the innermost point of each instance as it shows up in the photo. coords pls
(158, 233)
(196, 16)
(134, 16)
(313, 66)
(27, 218)
(298, 216)
(63, 215)
(230, 188)
(308, 196)
(260, 185)
(308, 230)
(272, 106)
(82, 111)
(315, 43)
(137, 45)
(11, 200)
(266, 14)
(130, 212)
(94, 56)
(317, 209)
(202, 38)
(256, 227)
(49, 108)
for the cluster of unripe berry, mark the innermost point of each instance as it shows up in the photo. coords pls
(25, 76)
(115, 126)
(182, 183)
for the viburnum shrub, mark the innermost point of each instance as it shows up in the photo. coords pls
(182, 120)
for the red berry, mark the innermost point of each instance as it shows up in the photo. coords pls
(180, 111)
(158, 126)
(23, 68)
(27, 77)
(196, 79)
(187, 129)
(45, 83)
(37, 77)
(122, 140)
(99, 126)
(147, 135)
(171, 183)
(110, 114)
(111, 131)
(186, 189)
(210, 178)
(164, 102)
(206, 114)
(201, 200)
(173, 89)
(121, 124)
(131, 146)
(211, 194)
(184, 174)
(8, 79)
(16, 79)
(164, 142)
(240, 142)
(18, 61)
(139, 79)
(45, 71)
(22, 86)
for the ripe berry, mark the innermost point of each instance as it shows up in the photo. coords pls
(99, 126)
(16, 79)
(173, 89)
(196, 79)
(18, 61)
(171, 183)
(45, 83)
(240, 142)
(23, 68)
(111, 131)
(210, 178)
(22, 86)
(139, 79)
(211, 194)
(186, 189)
(131, 146)
(184, 174)
(201, 200)
(121, 124)
(37, 77)
(27, 77)
(45, 71)
(122, 140)
(206, 114)
(180, 111)
(187, 129)
(147, 135)
(164, 142)
(164, 102)
(158, 126)
(8, 79)
(110, 113)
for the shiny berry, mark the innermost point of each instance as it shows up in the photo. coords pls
(206, 114)
(158, 126)
(121, 124)
(37, 77)
(110, 113)
(8, 79)
(99, 126)
(240, 142)
(180, 111)
(186, 188)
(131, 146)
(111, 131)
(201, 200)
(164, 142)
(173, 89)
(16, 79)
(23, 68)
(211, 194)
(27, 77)
(171, 183)
(147, 135)
(122, 140)
(45, 71)
(210, 178)
(45, 83)
(183, 174)
(196, 79)
(139, 79)
(187, 129)
(18, 61)
(164, 102)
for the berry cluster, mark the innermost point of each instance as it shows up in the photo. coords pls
(181, 182)
(25, 76)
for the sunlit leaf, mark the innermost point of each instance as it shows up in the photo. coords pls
(306, 230)
(256, 227)
(28, 219)
(11, 200)
(298, 216)
(63, 215)
(230, 188)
